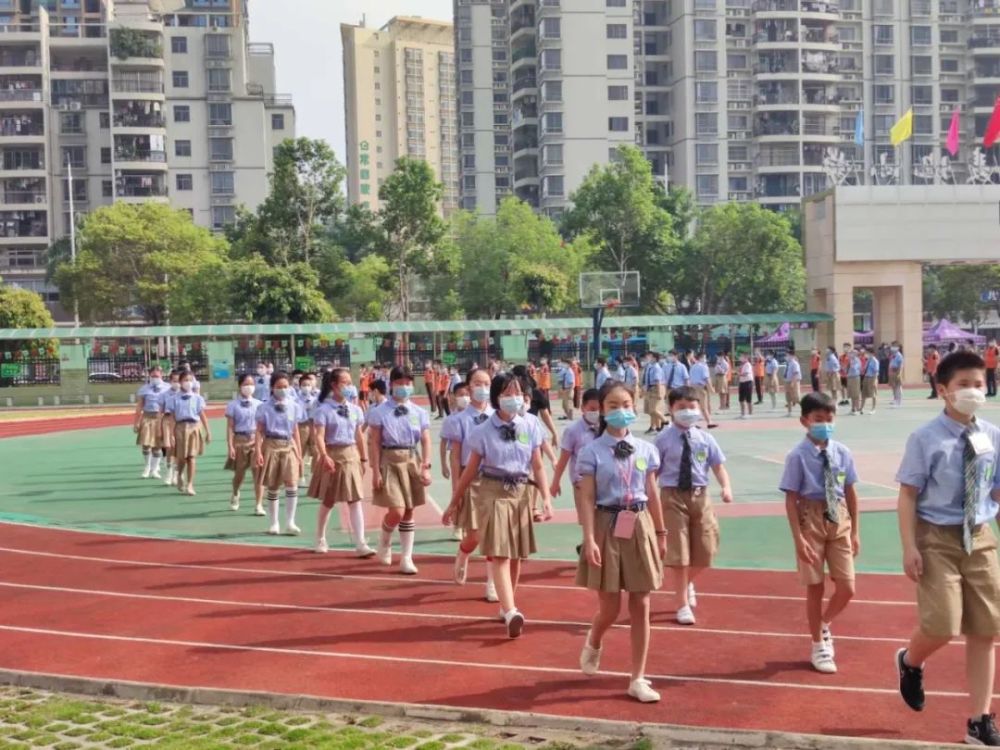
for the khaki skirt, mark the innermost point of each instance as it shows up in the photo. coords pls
(401, 485)
(343, 485)
(631, 565)
(189, 442)
(281, 464)
(150, 435)
(466, 519)
(868, 387)
(504, 517)
(244, 448)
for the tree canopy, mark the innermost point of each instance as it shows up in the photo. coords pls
(22, 308)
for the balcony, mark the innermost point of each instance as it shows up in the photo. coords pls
(988, 9)
(11, 195)
(136, 86)
(22, 126)
(15, 60)
(140, 187)
(528, 82)
(23, 224)
(20, 160)
(21, 95)
(141, 115)
(128, 44)
(76, 35)
(985, 42)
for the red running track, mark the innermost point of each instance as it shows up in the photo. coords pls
(252, 618)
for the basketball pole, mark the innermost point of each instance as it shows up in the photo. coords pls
(598, 325)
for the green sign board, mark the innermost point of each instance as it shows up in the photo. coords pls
(362, 351)
(306, 364)
(448, 358)
(9, 370)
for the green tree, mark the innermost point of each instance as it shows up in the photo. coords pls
(956, 291)
(260, 292)
(366, 289)
(410, 227)
(742, 259)
(22, 308)
(130, 256)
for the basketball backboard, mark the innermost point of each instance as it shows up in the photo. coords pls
(609, 289)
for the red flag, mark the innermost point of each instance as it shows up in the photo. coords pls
(993, 129)
(952, 142)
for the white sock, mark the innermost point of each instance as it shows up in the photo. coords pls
(156, 462)
(385, 538)
(489, 572)
(149, 461)
(321, 521)
(406, 536)
(272, 507)
(357, 514)
(291, 505)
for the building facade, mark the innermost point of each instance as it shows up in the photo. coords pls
(734, 99)
(399, 100)
(128, 100)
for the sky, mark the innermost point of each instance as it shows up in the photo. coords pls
(309, 57)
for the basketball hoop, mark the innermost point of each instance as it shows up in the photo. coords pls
(611, 304)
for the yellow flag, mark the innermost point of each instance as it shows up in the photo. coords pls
(903, 129)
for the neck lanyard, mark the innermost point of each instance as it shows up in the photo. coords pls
(625, 474)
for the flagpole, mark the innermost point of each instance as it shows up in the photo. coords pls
(72, 234)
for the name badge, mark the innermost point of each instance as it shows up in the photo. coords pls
(625, 524)
(981, 443)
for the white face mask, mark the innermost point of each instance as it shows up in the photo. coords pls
(687, 417)
(592, 417)
(523, 409)
(187, 386)
(511, 404)
(175, 387)
(481, 393)
(246, 391)
(462, 402)
(967, 400)
(280, 394)
(156, 381)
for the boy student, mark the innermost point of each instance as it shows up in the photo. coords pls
(818, 483)
(793, 380)
(686, 455)
(949, 487)
(653, 389)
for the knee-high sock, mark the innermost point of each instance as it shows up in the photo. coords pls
(147, 456)
(406, 535)
(357, 523)
(272, 507)
(156, 461)
(321, 522)
(291, 504)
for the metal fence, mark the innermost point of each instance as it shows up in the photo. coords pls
(32, 370)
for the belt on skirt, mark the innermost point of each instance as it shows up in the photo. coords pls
(276, 436)
(510, 481)
(399, 447)
(242, 434)
(186, 421)
(636, 507)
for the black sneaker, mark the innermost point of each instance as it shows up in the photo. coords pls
(983, 732)
(911, 682)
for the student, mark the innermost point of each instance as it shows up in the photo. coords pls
(831, 373)
(262, 383)
(992, 358)
(279, 452)
(567, 384)
(545, 377)
(505, 454)
(949, 488)
(534, 423)
(630, 376)
(188, 419)
(701, 383)
(430, 383)
(306, 394)
(364, 383)
(869, 382)
(685, 456)
(844, 361)
(624, 539)
(771, 379)
(854, 380)
(818, 483)
(456, 430)
(602, 374)
(577, 382)
(745, 387)
(793, 380)
(377, 394)
(241, 429)
(814, 365)
(341, 457)
(653, 391)
(896, 375)
(575, 438)
(721, 380)
(459, 400)
(167, 430)
(148, 426)
(758, 376)
(399, 443)
(442, 380)
(930, 367)
(675, 373)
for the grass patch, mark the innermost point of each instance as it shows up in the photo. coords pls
(371, 722)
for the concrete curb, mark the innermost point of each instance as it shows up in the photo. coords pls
(661, 735)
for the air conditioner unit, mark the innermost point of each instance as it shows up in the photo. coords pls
(64, 106)
(75, 106)
(40, 199)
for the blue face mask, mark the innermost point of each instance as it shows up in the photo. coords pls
(620, 418)
(349, 392)
(402, 392)
(821, 431)
(511, 404)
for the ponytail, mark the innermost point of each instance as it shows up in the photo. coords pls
(330, 377)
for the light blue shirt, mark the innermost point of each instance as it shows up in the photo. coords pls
(804, 470)
(653, 375)
(610, 474)
(575, 438)
(831, 363)
(567, 379)
(307, 402)
(187, 407)
(675, 374)
(402, 431)
(854, 367)
(243, 412)
(871, 369)
(932, 462)
(793, 370)
(262, 387)
(153, 397)
(506, 458)
(168, 400)
(457, 428)
(896, 363)
(700, 374)
(705, 454)
(602, 377)
(629, 375)
(721, 366)
(770, 366)
(279, 418)
(338, 430)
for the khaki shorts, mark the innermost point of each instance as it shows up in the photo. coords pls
(692, 528)
(831, 382)
(831, 541)
(793, 394)
(854, 388)
(654, 401)
(958, 594)
(868, 387)
(770, 383)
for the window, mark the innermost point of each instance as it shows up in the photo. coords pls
(71, 123)
(706, 153)
(617, 93)
(75, 155)
(469, 161)
(550, 28)
(705, 61)
(105, 120)
(922, 65)
(180, 79)
(277, 122)
(883, 123)
(706, 123)
(106, 155)
(617, 31)
(738, 60)
(217, 46)
(551, 91)
(707, 186)
(885, 94)
(465, 76)
(223, 216)
(949, 64)
(704, 30)
(185, 182)
(107, 189)
(923, 124)
(949, 95)
(616, 3)
(738, 153)
(179, 45)
(554, 186)
(706, 92)
(552, 154)
(553, 122)
(551, 59)
(220, 149)
(922, 94)
(220, 114)
(882, 34)
(884, 64)
(223, 183)
(218, 80)
(618, 124)
(182, 113)
(920, 35)
(949, 36)
(617, 62)
(182, 148)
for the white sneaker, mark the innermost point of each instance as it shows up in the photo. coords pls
(384, 554)
(491, 592)
(590, 657)
(822, 659)
(322, 547)
(692, 596)
(642, 691)
(173, 479)
(234, 502)
(461, 567)
(292, 530)
(827, 637)
(259, 511)
(685, 616)
(146, 473)
(156, 473)
(189, 491)
(406, 566)
(515, 623)
(363, 550)
(273, 529)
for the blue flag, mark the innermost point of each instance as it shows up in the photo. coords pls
(859, 128)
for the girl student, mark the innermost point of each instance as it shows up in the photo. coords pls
(148, 425)
(534, 493)
(399, 443)
(278, 450)
(578, 436)
(241, 429)
(505, 454)
(167, 428)
(188, 419)
(458, 395)
(624, 539)
(457, 429)
(307, 394)
(341, 456)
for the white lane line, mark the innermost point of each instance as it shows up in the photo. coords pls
(415, 615)
(892, 487)
(401, 579)
(494, 666)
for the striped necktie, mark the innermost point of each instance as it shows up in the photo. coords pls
(971, 488)
(832, 512)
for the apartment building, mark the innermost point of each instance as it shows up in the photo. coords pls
(136, 100)
(735, 99)
(399, 100)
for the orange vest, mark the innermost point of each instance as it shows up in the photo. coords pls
(991, 357)
(578, 374)
(932, 363)
(814, 362)
(545, 378)
(442, 382)
(758, 368)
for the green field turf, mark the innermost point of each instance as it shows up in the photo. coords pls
(90, 480)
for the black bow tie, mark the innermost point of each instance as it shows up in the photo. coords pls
(400, 411)
(185, 398)
(245, 403)
(624, 449)
(479, 419)
(508, 432)
(156, 389)
(342, 411)
(279, 408)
